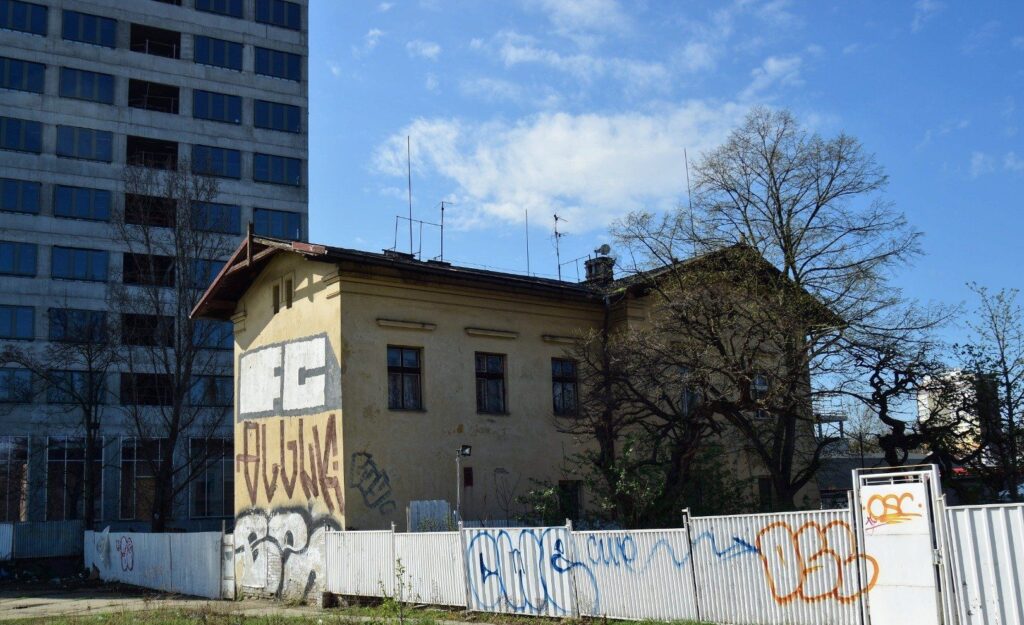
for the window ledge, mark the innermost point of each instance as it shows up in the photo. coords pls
(494, 414)
(495, 334)
(406, 325)
(554, 338)
(414, 410)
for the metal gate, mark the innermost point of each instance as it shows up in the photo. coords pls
(899, 522)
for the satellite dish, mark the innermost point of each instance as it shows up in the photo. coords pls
(604, 249)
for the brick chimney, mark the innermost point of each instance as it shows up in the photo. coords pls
(600, 270)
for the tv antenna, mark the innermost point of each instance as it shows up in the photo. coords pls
(408, 165)
(558, 250)
(526, 213)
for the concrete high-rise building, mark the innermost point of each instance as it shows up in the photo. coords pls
(88, 87)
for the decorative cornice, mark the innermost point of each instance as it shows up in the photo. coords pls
(494, 334)
(407, 325)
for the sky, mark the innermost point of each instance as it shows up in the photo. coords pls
(523, 109)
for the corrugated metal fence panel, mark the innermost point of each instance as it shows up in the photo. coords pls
(433, 568)
(988, 563)
(186, 563)
(635, 574)
(521, 570)
(48, 539)
(360, 563)
(6, 541)
(797, 568)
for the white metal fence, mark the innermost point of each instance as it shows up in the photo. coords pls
(188, 563)
(798, 568)
(987, 552)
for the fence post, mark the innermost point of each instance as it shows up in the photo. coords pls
(465, 564)
(693, 563)
(396, 592)
(574, 596)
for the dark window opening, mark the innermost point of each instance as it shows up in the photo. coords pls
(152, 96)
(17, 322)
(224, 7)
(490, 383)
(22, 75)
(404, 371)
(157, 153)
(22, 135)
(218, 52)
(155, 41)
(279, 224)
(148, 270)
(85, 85)
(23, 16)
(467, 477)
(212, 488)
(81, 203)
(145, 389)
(570, 499)
(564, 386)
(212, 161)
(216, 217)
(85, 143)
(276, 116)
(20, 196)
(148, 210)
(77, 325)
(764, 494)
(218, 107)
(147, 330)
(278, 64)
(279, 13)
(86, 28)
(65, 477)
(13, 475)
(140, 461)
(71, 263)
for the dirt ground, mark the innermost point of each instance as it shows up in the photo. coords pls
(20, 603)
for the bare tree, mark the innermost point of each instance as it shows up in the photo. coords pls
(995, 358)
(801, 243)
(72, 371)
(175, 385)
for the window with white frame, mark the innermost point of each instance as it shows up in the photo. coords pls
(13, 478)
(140, 458)
(65, 478)
(212, 490)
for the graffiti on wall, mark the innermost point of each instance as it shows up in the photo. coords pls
(126, 549)
(620, 549)
(373, 483)
(891, 509)
(281, 551)
(298, 377)
(308, 460)
(525, 571)
(813, 563)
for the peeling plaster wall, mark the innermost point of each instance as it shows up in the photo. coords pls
(289, 472)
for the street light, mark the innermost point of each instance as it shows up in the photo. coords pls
(464, 451)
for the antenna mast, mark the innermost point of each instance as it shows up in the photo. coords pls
(442, 231)
(408, 164)
(558, 251)
(526, 211)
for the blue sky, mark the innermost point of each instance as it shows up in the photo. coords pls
(584, 108)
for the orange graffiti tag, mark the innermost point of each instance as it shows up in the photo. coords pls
(807, 564)
(890, 509)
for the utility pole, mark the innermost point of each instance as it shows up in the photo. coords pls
(558, 251)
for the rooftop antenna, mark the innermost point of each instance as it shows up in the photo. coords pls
(558, 251)
(408, 164)
(526, 212)
(689, 200)
(442, 231)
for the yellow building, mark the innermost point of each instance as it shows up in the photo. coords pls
(358, 378)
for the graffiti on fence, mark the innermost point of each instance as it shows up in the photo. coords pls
(891, 509)
(126, 549)
(313, 467)
(281, 550)
(524, 571)
(620, 549)
(814, 562)
(373, 483)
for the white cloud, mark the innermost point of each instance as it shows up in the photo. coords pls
(423, 49)
(775, 71)
(696, 56)
(334, 68)
(924, 10)
(370, 41)
(980, 37)
(384, 7)
(1012, 162)
(981, 164)
(431, 83)
(583, 20)
(590, 168)
(515, 49)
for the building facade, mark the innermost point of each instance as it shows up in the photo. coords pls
(360, 377)
(88, 87)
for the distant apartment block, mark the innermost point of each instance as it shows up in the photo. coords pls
(86, 88)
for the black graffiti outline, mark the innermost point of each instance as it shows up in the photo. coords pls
(366, 477)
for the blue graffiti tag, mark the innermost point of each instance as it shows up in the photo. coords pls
(621, 551)
(521, 572)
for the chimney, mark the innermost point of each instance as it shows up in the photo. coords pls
(600, 270)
